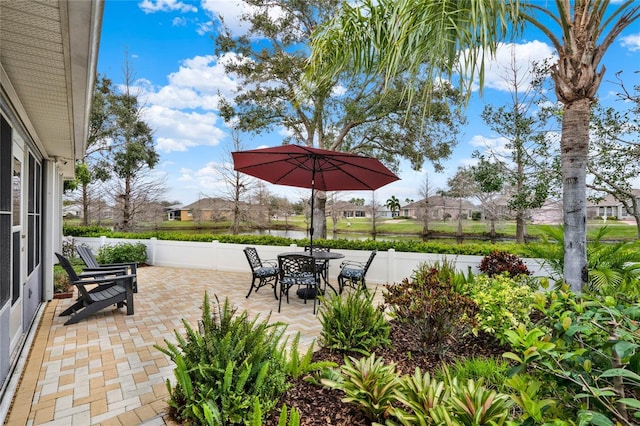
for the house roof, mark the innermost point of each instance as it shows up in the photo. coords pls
(610, 200)
(439, 201)
(47, 69)
(210, 204)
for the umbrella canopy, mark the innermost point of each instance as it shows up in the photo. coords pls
(305, 167)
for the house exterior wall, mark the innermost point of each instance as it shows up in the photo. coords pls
(47, 71)
(30, 222)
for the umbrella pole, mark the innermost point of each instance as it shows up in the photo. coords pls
(313, 184)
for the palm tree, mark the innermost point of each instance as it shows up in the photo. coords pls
(414, 37)
(393, 204)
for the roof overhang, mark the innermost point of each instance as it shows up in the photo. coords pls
(48, 60)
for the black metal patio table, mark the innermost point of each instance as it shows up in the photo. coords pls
(322, 256)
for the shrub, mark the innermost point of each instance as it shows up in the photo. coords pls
(369, 383)
(498, 262)
(122, 252)
(418, 399)
(429, 306)
(230, 370)
(590, 345)
(503, 303)
(492, 371)
(352, 323)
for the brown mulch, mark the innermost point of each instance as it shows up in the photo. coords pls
(322, 406)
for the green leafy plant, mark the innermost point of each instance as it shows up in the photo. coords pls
(228, 371)
(297, 366)
(491, 370)
(590, 346)
(429, 306)
(353, 324)
(61, 282)
(291, 419)
(503, 303)
(122, 252)
(498, 262)
(423, 400)
(417, 395)
(369, 383)
(473, 404)
(613, 267)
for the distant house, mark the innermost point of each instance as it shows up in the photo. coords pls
(439, 208)
(212, 209)
(72, 211)
(348, 210)
(177, 212)
(549, 213)
(610, 207)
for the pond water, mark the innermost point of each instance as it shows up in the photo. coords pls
(296, 235)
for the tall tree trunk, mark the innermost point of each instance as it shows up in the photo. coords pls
(85, 204)
(492, 229)
(126, 208)
(520, 227)
(319, 217)
(574, 146)
(459, 231)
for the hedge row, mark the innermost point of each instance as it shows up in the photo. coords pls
(435, 247)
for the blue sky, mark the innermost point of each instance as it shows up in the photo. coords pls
(178, 78)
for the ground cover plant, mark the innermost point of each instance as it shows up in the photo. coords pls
(231, 369)
(507, 353)
(556, 364)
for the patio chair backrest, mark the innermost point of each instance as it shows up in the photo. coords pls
(296, 264)
(371, 256)
(87, 256)
(66, 265)
(253, 257)
(317, 249)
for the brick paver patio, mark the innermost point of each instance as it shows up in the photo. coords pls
(105, 370)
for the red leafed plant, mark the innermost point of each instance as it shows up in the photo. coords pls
(500, 261)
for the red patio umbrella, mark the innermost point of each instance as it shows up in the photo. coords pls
(304, 167)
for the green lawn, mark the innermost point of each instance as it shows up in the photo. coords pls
(616, 230)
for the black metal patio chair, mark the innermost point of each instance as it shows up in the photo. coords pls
(264, 271)
(97, 290)
(299, 270)
(352, 274)
(322, 265)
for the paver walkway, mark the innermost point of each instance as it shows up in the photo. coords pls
(105, 369)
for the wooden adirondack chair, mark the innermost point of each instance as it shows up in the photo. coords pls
(89, 259)
(97, 290)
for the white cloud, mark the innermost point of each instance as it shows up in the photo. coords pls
(488, 144)
(179, 21)
(198, 84)
(231, 11)
(631, 41)
(185, 175)
(499, 69)
(179, 130)
(151, 6)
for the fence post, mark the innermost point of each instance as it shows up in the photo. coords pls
(216, 247)
(391, 266)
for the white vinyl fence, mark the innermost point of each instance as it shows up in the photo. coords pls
(387, 267)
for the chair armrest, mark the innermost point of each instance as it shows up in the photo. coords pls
(271, 262)
(132, 265)
(352, 263)
(93, 272)
(104, 279)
